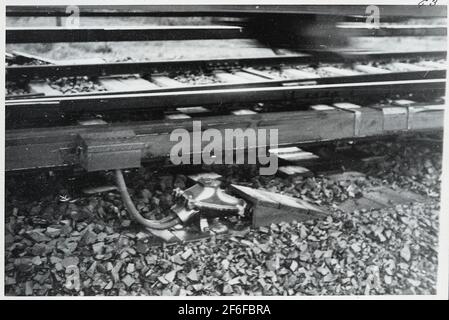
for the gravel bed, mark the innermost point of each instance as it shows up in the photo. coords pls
(72, 85)
(306, 69)
(197, 78)
(66, 85)
(27, 63)
(276, 72)
(395, 68)
(440, 61)
(325, 73)
(389, 65)
(416, 168)
(386, 251)
(14, 89)
(317, 70)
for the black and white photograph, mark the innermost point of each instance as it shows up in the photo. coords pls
(225, 150)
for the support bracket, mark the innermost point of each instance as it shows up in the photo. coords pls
(109, 150)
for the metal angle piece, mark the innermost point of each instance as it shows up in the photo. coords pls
(208, 199)
(269, 207)
(408, 104)
(394, 117)
(184, 214)
(350, 107)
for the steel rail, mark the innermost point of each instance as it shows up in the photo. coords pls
(362, 30)
(381, 55)
(87, 34)
(152, 33)
(168, 66)
(21, 109)
(392, 76)
(228, 10)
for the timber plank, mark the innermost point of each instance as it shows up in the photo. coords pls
(164, 81)
(250, 77)
(229, 77)
(42, 87)
(126, 84)
(295, 171)
(299, 74)
(340, 72)
(370, 69)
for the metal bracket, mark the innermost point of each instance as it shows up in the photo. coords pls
(109, 150)
(349, 107)
(393, 117)
(207, 199)
(408, 105)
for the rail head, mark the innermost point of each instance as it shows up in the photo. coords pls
(226, 10)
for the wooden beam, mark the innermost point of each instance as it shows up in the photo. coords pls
(56, 147)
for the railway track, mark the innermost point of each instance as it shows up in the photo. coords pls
(57, 112)
(322, 67)
(392, 91)
(44, 131)
(51, 35)
(298, 78)
(57, 146)
(357, 11)
(94, 118)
